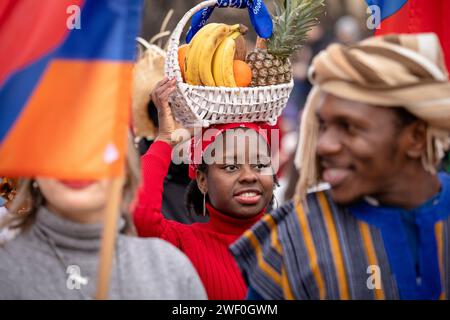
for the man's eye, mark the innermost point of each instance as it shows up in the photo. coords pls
(348, 127)
(351, 129)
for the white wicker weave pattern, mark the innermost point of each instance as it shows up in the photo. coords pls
(203, 106)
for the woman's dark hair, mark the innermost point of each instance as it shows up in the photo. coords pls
(194, 197)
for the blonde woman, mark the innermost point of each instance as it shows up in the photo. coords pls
(57, 252)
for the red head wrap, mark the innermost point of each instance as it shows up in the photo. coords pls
(197, 141)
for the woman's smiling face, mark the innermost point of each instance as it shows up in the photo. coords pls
(239, 181)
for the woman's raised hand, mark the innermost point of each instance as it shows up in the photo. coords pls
(160, 97)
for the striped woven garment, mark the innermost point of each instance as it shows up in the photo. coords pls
(391, 71)
(357, 252)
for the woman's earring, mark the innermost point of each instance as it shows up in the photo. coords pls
(204, 204)
(276, 201)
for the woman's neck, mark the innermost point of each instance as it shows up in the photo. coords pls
(227, 224)
(82, 217)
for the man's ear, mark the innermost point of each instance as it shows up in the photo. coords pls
(416, 134)
(201, 181)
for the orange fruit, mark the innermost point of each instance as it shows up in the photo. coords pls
(181, 57)
(242, 73)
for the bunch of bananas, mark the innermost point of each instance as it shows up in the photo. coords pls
(210, 55)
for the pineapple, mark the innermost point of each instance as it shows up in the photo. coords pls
(293, 19)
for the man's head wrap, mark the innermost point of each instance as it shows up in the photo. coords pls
(391, 71)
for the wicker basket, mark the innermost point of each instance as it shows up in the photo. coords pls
(203, 106)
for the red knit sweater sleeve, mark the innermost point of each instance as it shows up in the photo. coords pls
(147, 216)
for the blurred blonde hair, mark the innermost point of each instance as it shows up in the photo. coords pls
(29, 199)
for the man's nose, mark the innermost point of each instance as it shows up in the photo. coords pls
(328, 142)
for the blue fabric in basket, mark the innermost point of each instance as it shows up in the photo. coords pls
(259, 16)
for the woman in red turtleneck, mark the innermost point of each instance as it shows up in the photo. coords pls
(235, 194)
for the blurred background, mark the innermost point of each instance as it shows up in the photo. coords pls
(156, 10)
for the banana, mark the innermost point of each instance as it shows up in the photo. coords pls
(192, 62)
(212, 42)
(222, 64)
(217, 64)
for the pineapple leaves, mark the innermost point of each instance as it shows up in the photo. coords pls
(291, 23)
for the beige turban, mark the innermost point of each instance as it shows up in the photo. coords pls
(391, 71)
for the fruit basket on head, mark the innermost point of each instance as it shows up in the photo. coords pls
(206, 95)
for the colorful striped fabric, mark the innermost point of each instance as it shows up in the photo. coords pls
(64, 90)
(333, 252)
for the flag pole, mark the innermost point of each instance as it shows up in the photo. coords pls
(108, 239)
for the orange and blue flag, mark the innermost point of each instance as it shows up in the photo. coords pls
(414, 16)
(65, 85)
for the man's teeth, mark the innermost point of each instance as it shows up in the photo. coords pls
(248, 194)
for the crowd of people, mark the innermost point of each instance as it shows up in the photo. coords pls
(368, 216)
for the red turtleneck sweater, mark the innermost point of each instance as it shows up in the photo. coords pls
(206, 244)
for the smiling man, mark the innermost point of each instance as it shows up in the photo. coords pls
(375, 128)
